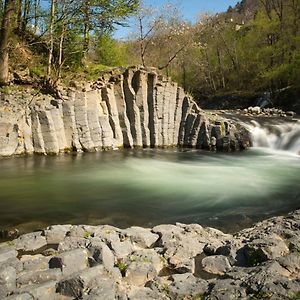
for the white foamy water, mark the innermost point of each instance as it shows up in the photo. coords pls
(284, 136)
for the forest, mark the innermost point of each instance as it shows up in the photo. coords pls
(252, 48)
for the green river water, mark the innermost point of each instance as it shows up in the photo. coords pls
(148, 187)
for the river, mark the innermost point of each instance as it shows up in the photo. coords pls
(148, 187)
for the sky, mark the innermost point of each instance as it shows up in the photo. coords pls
(190, 9)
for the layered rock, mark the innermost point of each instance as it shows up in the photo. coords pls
(166, 262)
(131, 108)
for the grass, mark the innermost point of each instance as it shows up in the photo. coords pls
(122, 267)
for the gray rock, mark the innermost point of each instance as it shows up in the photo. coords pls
(105, 290)
(187, 285)
(138, 273)
(122, 249)
(227, 289)
(145, 293)
(56, 234)
(141, 237)
(70, 243)
(217, 264)
(260, 250)
(7, 281)
(70, 262)
(75, 286)
(291, 263)
(23, 296)
(31, 242)
(102, 254)
(35, 262)
(45, 291)
(33, 277)
(7, 253)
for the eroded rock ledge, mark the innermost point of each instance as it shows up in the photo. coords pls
(165, 262)
(131, 108)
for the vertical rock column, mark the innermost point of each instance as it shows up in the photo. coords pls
(121, 107)
(164, 108)
(37, 137)
(71, 134)
(140, 86)
(93, 118)
(108, 95)
(48, 131)
(185, 112)
(178, 114)
(152, 108)
(27, 132)
(108, 141)
(57, 117)
(133, 112)
(82, 125)
(203, 141)
(171, 93)
(159, 111)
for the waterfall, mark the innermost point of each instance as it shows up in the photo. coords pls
(283, 136)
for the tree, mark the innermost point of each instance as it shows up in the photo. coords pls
(101, 17)
(51, 43)
(161, 35)
(6, 28)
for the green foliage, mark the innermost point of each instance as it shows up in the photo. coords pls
(122, 267)
(37, 70)
(111, 53)
(4, 90)
(295, 296)
(94, 71)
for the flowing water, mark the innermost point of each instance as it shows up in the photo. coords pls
(148, 187)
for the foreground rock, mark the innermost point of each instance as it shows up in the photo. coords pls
(135, 107)
(165, 262)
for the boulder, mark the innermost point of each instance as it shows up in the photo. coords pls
(75, 286)
(141, 237)
(101, 253)
(70, 262)
(31, 242)
(217, 264)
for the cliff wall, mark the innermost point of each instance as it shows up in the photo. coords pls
(135, 107)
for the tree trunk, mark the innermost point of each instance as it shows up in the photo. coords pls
(61, 39)
(221, 68)
(26, 14)
(86, 31)
(19, 12)
(6, 28)
(50, 55)
(36, 17)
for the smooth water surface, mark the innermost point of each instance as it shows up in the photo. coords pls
(148, 187)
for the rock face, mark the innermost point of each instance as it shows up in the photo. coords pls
(166, 262)
(131, 108)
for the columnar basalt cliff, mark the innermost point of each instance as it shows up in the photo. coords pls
(135, 107)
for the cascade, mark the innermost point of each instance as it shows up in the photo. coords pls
(280, 136)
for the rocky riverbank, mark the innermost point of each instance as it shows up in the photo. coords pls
(165, 262)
